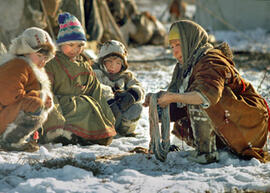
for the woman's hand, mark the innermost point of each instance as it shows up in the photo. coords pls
(187, 98)
(166, 98)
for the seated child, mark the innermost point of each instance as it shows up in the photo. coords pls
(81, 114)
(26, 98)
(124, 92)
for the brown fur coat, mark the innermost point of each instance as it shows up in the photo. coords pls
(238, 112)
(24, 87)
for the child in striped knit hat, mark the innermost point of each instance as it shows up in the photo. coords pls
(70, 29)
(81, 114)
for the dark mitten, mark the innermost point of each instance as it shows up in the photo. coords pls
(125, 100)
(115, 109)
(174, 148)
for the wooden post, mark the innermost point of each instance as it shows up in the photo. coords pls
(107, 12)
(48, 20)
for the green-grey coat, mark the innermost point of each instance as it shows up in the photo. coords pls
(80, 107)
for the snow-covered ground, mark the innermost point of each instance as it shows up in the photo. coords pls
(113, 169)
(99, 169)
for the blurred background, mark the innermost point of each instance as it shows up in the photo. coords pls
(243, 24)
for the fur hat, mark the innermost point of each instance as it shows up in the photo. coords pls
(30, 41)
(113, 47)
(70, 29)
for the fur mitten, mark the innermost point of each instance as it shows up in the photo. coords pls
(124, 100)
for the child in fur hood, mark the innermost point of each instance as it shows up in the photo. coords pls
(81, 114)
(25, 99)
(123, 91)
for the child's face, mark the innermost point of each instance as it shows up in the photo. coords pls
(39, 59)
(113, 64)
(72, 49)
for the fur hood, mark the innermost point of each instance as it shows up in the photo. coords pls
(30, 41)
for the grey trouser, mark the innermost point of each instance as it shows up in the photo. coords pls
(128, 121)
(203, 129)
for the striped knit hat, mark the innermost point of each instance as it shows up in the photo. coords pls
(70, 29)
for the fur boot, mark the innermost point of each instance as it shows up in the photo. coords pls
(129, 120)
(205, 138)
(17, 133)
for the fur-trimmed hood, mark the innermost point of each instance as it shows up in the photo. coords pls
(30, 41)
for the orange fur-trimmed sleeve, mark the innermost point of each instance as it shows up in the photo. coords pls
(14, 76)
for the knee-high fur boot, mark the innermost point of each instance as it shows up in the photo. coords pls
(204, 135)
(16, 135)
(129, 120)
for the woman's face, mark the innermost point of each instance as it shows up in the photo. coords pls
(72, 49)
(113, 64)
(39, 59)
(177, 50)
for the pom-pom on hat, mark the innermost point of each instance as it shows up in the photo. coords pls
(70, 29)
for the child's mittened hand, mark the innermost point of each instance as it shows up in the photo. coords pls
(116, 111)
(31, 104)
(118, 93)
(126, 100)
(35, 93)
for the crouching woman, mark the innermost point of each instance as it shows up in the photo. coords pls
(25, 99)
(211, 104)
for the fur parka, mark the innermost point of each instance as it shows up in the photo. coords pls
(237, 111)
(21, 82)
